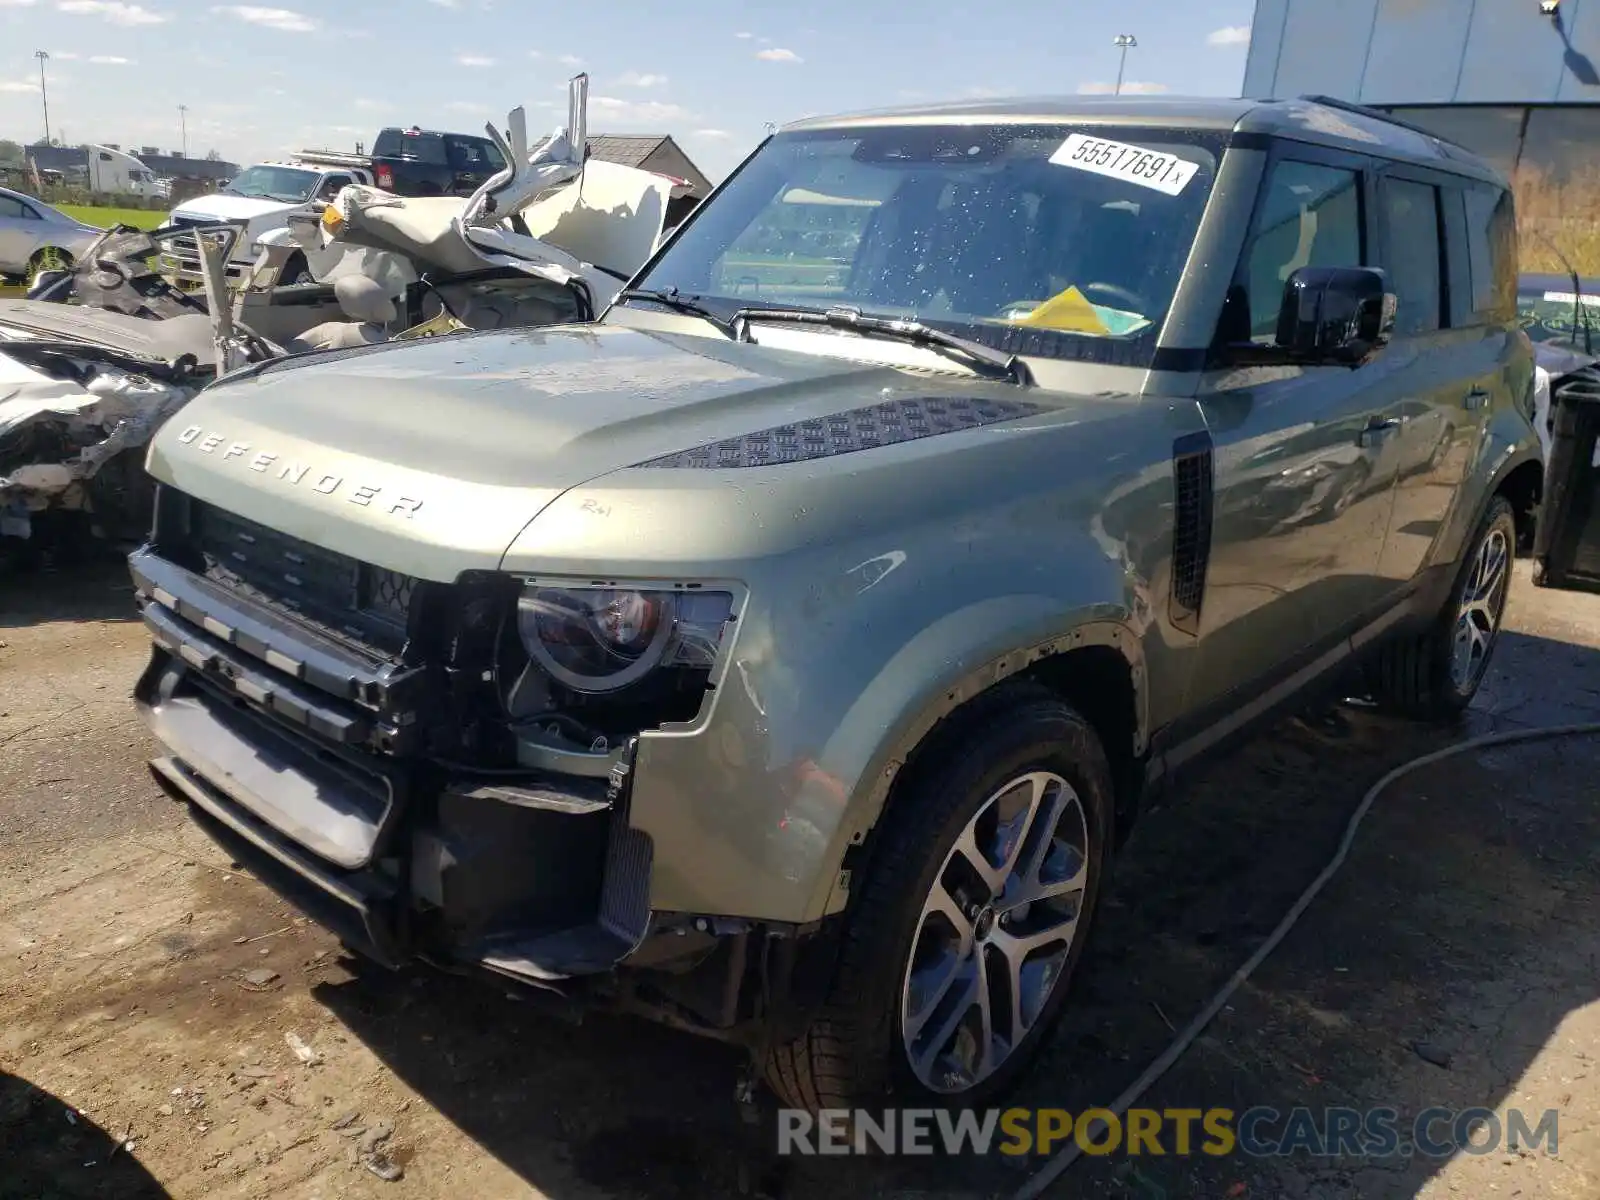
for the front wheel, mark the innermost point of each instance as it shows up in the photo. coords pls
(1433, 675)
(974, 913)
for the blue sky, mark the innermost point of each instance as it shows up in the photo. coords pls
(262, 80)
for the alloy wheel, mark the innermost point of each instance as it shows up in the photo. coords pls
(1483, 602)
(996, 931)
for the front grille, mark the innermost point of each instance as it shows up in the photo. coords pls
(353, 600)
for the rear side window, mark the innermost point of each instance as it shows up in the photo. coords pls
(414, 147)
(473, 154)
(13, 208)
(1411, 212)
(1492, 253)
(1310, 216)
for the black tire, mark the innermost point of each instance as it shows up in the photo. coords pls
(853, 1052)
(1411, 677)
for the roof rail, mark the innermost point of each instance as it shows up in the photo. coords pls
(1378, 114)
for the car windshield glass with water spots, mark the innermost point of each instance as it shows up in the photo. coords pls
(1550, 311)
(274, 183)
(1031, 239)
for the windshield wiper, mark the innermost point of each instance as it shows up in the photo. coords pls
(675, 300)
(986, 361)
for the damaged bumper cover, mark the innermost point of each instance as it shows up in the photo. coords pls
(296, 753)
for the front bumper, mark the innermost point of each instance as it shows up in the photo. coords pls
(293, 752)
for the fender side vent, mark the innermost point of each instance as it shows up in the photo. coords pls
(1193, 499)
(867, 428)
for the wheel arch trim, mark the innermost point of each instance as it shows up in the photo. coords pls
(1052, 636)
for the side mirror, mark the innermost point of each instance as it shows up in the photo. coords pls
(1335, 314)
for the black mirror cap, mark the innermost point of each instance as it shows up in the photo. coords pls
(1336, 314)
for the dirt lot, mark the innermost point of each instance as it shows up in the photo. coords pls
(137, 1057)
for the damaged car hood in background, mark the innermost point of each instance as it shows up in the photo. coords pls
(83, 388)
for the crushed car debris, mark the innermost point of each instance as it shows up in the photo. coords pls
(99, 356)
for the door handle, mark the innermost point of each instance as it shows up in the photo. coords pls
(1377, 429)
(1477, 398)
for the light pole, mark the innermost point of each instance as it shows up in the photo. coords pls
(44, 57)
(1123, 42)
(183, 126)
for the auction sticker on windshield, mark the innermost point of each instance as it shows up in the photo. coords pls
(1148, 168)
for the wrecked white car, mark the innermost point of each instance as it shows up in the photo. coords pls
(549, 240)
(83, 385)
(100, 355)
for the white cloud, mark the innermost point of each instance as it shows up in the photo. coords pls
(983, 93)
(448, 3)
(18, 85)
(115, 11)
(368, 105)
(743, 36)
(16, 3)
(635, 79)
(570, 60)
(712, 135)
(1231, 35)
(467, 106)
(778, 54)
(1130, 88)
(473, 60)
(642, 112)
(284, 20)
(109, 60)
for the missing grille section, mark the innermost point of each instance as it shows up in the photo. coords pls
(333, 592)
(867, 428)
(1191, 528)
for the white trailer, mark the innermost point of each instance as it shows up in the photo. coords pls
(121, 174)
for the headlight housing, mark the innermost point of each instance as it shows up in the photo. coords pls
(596, 640)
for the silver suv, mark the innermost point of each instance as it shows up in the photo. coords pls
(784, 654)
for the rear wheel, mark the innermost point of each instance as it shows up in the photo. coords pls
(972, 918)
(1435, 674)
(49, 258)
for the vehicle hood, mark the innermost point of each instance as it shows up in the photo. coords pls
(1561, 359)
(220, 206)
(430, 456)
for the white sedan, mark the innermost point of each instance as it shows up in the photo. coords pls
(34, 236)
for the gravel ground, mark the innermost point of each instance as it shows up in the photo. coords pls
(155, 1003)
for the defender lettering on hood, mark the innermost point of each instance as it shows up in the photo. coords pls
(294, 472)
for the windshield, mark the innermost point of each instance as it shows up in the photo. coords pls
(1550, 311)
(274, 183)
(1049, 241)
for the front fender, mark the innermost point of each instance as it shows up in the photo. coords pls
(976, 649)
(829, 691)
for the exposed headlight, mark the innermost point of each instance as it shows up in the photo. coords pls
(598, 640)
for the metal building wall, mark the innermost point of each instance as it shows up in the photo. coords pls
(1409, 52)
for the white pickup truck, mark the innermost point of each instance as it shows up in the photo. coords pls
(261, 198)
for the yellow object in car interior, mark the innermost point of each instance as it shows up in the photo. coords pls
(331, 220)
(1067, 310)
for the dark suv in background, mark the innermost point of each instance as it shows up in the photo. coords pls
(424, 162)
